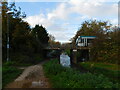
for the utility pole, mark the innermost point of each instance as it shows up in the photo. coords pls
(8, 39)
(119, 14)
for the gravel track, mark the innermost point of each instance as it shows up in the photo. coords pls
(32, 77)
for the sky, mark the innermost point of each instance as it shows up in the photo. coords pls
(63, 18)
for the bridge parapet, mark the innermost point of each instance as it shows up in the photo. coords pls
(70, 47)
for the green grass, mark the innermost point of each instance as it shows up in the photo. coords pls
(110, 70)
(61, 77)
(9, 73)
(13, 63)
(68, 52)
(104, 65)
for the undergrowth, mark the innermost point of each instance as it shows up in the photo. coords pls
(63, 77)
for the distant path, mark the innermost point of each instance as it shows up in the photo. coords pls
(32, 77)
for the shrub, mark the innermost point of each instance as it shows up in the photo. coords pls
(62, 77)
(68, 52)
(102, 69)
(9, 63)
(19, 58)
(52, 67)
(38, 58)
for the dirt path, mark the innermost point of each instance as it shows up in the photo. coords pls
(32, 77)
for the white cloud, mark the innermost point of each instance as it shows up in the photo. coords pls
(60, 12)
(87, 9)
(38, 19)
(62, 36)
(114, 22)
(59, 0)
(37, 0)
(93, 8)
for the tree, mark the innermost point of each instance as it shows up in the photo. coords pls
(114, 51)
(51, 38)
(15, 23)
(107, 50)
(105, 47)
(92, 28)
(24, 41)
(41, 36)
(21, 37)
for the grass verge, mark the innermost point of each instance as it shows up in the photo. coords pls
(9, 73)
(15, 64)
(110, 70)
(62, 77)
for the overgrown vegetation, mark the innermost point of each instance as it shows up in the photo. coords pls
(20, 59)
(62, 77)
(15, 64)
(110, 70)
(9, 73)
(68, 52)
(105, 47)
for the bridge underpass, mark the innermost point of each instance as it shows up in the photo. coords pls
(77, 54)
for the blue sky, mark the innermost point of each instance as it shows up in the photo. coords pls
(33, 8)
(62, 19)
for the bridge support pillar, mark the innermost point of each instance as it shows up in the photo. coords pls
(89, 53)
(74, 56)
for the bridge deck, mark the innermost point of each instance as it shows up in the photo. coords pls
(59, 48)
